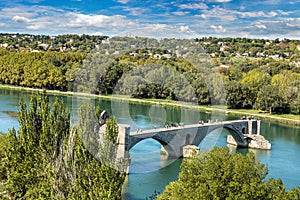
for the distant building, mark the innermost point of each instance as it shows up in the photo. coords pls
(5, 45)
(157, 56)
(167, 56)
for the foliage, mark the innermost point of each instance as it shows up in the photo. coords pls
(40, 70)
(34, 150)
(268, 98)
(295, 106)
(196, 73)
(3, 145)
(47, 159)
(153, 90)
(219, 174)
(237, 95)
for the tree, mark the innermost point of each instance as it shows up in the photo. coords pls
(295, 105)
(236, 95)
(254, 80)
(219, 174)
(48, 159)
(35, 148)
(269, 99)
(3, 173)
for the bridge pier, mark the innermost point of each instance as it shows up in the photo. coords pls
(253, 127)
(123, 143)
(253, 137)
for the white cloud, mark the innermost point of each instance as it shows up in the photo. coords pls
(184, 28)
(219, 1)
(255, 14)
(123, 1)
(97, 33)
(261, 26)
(9, 13)
(293, 2)
(209, 21)
(72, 22)
(163, 31)
(279, 28)
(201, 16)
(99, 21)
(180, 13)
(282, 26)
(292, 22)
(40, 26)
(218, 29)
(281, 12)
(271, 14)
(29, 11)
(231, 15)
(35, 1)
(270, 2)
(135, 11)
(20, 19)
(194, 6)
(220, 13)
(49, 20)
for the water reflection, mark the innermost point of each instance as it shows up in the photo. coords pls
(146, 157)
(214, 138)
(276, 131)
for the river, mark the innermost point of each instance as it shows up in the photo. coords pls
(149, 171)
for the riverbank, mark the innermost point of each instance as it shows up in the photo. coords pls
(285, 118)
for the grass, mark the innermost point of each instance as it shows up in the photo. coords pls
(285, 118)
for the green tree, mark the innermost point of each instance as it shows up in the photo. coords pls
(3, 145)
(236, 95)
(254, 80)
(269, 99)
(295, 105)
(35, 148)
(219, 174)
(48, 159)
(3, 173)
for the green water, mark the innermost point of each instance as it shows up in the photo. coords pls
(149, 171)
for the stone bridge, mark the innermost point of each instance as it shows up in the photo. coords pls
(173, 139)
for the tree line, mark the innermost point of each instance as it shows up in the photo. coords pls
(48, 70)
(265, 84)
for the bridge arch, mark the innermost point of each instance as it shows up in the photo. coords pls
(237, 134)
(166, 146)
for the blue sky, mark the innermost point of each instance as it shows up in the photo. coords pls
(154, 18)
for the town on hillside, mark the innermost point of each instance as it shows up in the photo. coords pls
(215, 47)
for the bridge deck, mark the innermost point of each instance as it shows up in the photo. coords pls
(188, 126)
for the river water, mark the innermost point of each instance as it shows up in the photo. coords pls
(150, 172)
